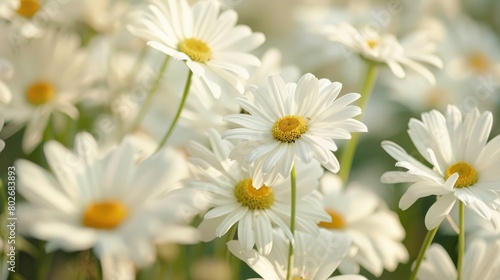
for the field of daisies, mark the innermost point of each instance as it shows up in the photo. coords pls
(250, 139)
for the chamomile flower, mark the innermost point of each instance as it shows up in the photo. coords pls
(48, 82)
(289, 121)
(315, 257)
(214, 48)
(376, 232)
(481, 261)
(464, 164)
(233, 200)
(106, 201)
(411, 52)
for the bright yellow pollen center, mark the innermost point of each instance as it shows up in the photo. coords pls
(372, 43)
(479, 62)
(467, 175)
(196, 49)
(28, 8)
(289, 128)
(253, 198)
(105, 215)
(336, 223)
(39, 93)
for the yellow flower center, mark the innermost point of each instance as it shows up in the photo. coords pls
(289, 128)
(196, 49)
(28, 8)
(479, 62)
(467, 175)
(253, 198)
(336, 223)
(39, 93)
(371, 43)
(105, 215)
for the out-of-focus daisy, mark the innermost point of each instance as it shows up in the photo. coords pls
(286, 121)
(6, 72)
(411, 52)
(49, 80)
(464, 164)
(481, 261)
(376, 232)
(214, 49)
(233, 199)
(315, 257)
(467, 59)
(106, 201)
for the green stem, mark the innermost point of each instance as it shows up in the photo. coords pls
(179, 111)
(292, 222)
(461, 239)
(150, 96)
(44, 262)
(230, 236)
(427, 242)
(350, 148)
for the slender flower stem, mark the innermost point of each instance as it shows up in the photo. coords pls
(292, 222)
(427, 242)
(461, 239)
(350, 148)
(179, 111)
(150, 96)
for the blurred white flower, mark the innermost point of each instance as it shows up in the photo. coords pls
(2, 143)
(376, 232)
(49, 80)
(233, 200)
(286, 121)
(481, 261)
(214, 48)
(106, 201)
(315, 256)
(464, 164)
(6, 72)
(411, 52)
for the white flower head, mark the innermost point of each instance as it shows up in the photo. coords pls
(48, 81)
(214, 48)
(376, 232)
(106, 201)
(464, 164)
(315, 256)
(286, 121)
(233, 200)
(411, 52)
(481, 261)
(6, 72)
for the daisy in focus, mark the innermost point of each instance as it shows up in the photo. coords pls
(375, 231)
(289, 121)
(316, 257)
(481, 261)
(233, 200)
(464, 164)
(106, 201)
(214, 48)
(49, 81)
(413, 51)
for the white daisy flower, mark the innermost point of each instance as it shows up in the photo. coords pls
(107, 202)
(315, 257)
(2, 143)
(286, 121)
(48, 81)
(411, 52)
(376, 232)
(214, 49)
(233, 199)
(481, 261)
(464, 164)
